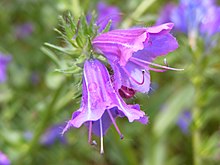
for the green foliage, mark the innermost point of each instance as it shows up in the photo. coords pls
(44, 88)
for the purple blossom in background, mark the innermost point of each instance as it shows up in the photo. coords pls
(184, 121)
(24, 30)
(4, 61)
(101, 104)
(4, 159)
(193, 16)
(131, 52)
(53, 134)
(105, 14)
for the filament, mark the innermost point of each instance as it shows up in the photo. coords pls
(139, 83)
(114, 123)
(90, 133)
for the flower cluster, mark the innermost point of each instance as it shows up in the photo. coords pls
(130, 53)
(197, 17)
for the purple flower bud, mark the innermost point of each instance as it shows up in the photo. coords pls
(24, 30)
(101, 104)
(184, 121)
(4, 61)
(53, 134)
(4, 159)
(131, 52)
(107, 13)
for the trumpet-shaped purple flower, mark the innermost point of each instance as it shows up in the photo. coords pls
(101, 104)
(197, 16)
(4, 159)
(4, 61)
(131, 52)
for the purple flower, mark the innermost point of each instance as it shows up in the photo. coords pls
(4, 61)
(184, 121)
(101, 104)
(107, 13)
(24, 30)
(131, 52)
(52, 134)
(197, 16)
(4, 159)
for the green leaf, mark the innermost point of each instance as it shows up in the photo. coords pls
(168, 116)
(107, 27)
(50, 54)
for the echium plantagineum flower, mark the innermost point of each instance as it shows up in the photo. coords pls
(4, 61)
(194, 17)
(4, 159)
(131, 52)
(24, 30)
(52, 134)
(184, 121)
(101, 104)
(106, 13)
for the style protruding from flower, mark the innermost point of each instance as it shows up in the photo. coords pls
(131, 52)
(4, 61)
(101, 104)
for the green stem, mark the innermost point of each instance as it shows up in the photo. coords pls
(46, 116)
(196, 114)
(143, 6)
(196, 140)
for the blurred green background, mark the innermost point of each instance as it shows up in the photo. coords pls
(35, 97)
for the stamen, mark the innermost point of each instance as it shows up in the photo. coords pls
(139, 83)
(114, 123)
(90, 133)
(136, 60)
(157, 70)
(101, 137)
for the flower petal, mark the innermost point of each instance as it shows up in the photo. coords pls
(157, 45)
(120, 43)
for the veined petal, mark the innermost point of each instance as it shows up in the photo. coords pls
(107, 122)
(160, 29)
(120, 43)
(99, 95)
(131, 74)
(157, 45)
